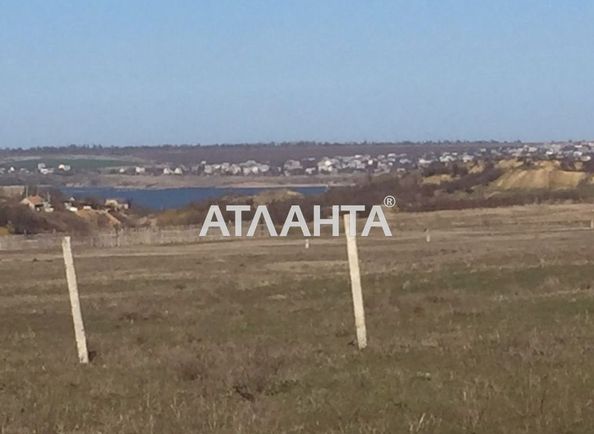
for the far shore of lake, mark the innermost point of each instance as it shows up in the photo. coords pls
(186, 181)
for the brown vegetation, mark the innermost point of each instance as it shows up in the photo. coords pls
(16, 218)
(487, 329)
(460, 187)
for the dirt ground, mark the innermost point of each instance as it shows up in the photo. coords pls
(488, 328)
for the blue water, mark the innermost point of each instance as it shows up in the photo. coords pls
(169, 198)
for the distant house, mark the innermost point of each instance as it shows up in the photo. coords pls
(292, 165)
(69, 206)
(209, 169)
(117, 204)
(37, 203)
(447, 158)
(327, 165)
(234, 169)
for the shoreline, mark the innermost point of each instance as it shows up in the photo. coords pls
(221, 187)
(162, 183)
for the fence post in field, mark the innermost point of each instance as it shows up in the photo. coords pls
(79, 328)
(427, 235)
(355, 284)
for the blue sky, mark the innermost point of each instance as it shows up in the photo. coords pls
(151, 72)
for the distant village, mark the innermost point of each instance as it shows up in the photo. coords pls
(41, 169)
(359, 163)
(366, 163)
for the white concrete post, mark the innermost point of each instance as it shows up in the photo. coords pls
(427, 235)
(356, 285)
(79, 328)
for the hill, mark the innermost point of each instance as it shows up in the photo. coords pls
(546, 175)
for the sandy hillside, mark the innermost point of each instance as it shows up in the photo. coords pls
(546, 175)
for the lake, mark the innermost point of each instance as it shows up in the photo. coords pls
(170, 198)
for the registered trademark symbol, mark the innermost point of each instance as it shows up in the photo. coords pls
(390, 201)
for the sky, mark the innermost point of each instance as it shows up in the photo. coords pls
(183, 72)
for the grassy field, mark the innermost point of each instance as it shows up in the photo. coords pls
(486, 329)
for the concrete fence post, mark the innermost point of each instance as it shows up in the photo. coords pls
(79, 328)
(357, 293)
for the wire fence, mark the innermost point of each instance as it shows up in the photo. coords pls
(124, 237)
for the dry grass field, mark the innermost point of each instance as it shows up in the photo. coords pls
(488, 328)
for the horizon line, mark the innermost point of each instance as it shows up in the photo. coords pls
(289, 143)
